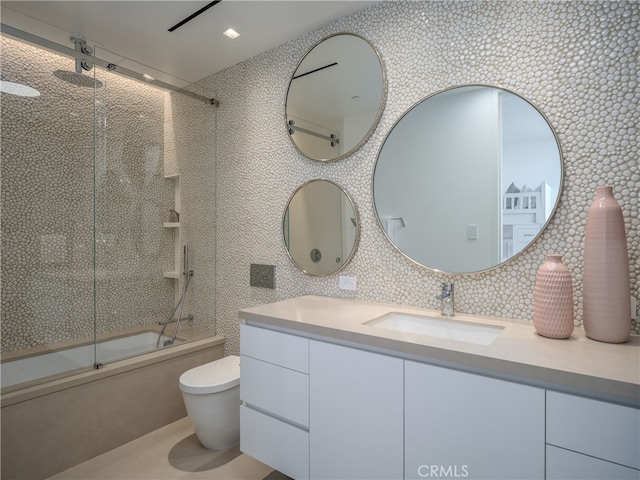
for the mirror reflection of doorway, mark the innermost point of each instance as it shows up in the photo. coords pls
(474, 172)
(529, 173)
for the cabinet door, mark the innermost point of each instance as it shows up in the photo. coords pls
(459, 424)
(567, 465)
(356, 414)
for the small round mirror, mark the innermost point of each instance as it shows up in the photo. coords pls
(335, 98)
(320, 228)
(467, 179)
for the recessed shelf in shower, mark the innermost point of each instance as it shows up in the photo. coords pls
(175, 227)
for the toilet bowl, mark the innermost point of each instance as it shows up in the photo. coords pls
(211, 394)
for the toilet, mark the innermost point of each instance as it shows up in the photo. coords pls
(211, 394)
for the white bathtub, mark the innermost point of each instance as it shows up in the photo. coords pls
(44, 365)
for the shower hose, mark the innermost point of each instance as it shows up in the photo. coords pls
(179, 306)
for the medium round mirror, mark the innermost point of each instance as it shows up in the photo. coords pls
(335, 98)
(320, 228)
(467, 179)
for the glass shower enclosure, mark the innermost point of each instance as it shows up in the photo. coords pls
(92, 164)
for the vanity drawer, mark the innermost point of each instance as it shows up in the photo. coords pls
(276, 390)
(567, 465)
(596, 428)
(275, 347)
(275, 443)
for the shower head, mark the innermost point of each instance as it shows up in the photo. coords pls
(77, 79)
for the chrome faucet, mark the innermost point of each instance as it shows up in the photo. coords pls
(447, 299)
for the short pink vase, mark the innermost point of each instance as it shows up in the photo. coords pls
(553, 299)
(606, 284)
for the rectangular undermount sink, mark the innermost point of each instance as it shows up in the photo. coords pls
(443, 327)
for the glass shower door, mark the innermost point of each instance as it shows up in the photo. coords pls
(47, 215)
(92, 164)
(132, 200)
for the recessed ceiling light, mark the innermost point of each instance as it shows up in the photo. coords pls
(231, 33)
(147, 76)
(18, 89)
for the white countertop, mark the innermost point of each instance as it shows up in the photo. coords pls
(578, 364)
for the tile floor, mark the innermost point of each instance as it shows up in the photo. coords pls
(169, 453)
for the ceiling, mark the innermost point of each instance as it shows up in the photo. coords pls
(134, 34)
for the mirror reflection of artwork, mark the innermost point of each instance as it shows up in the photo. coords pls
(320, 228)
(474, 172)
(335, 98)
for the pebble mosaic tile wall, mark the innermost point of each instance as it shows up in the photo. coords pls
(48, 208)
(576, 61)
(190, 152)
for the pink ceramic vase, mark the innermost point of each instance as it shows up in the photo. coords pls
(606, 285)
(553, 299)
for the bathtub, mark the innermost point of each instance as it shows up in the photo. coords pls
(52, 424)
(37, 367)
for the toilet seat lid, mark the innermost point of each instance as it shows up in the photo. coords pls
(212, 377)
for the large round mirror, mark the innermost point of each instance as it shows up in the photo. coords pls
(336, 97)
(320, 228)
(467, 179)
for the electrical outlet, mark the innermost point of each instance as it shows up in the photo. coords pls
(347, 283)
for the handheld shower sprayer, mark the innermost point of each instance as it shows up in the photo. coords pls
(180, 305)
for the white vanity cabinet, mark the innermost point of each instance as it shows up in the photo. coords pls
(356, 413)
(274, 390)
(323, 409)
(591, 439)
(464, 425)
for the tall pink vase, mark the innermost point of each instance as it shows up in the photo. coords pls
(606, 285)
(553, 299)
